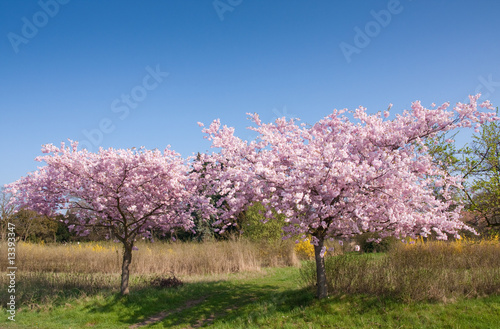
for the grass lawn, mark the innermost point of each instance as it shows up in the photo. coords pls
(274, 298)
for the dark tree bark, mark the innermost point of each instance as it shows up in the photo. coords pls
(127, 259)
(322, 287)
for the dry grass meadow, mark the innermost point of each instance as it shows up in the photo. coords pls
(418, 271)
(410, 272)
(46, 271)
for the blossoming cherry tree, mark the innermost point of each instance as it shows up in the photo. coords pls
(129, 192)
(343, 176)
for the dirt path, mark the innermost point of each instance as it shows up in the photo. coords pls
(200, 323)
(211, 318)
(162, 315)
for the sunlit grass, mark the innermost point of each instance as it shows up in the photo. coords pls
(272, 298)
(432, 284)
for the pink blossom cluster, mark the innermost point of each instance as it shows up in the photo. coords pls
(342, 177)
(349, 173)
(129, 191)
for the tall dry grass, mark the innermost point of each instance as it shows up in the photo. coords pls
(153, 258)
(46, 272)
(419, 271)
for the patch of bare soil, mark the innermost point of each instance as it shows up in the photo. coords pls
(213, 316)
(162, 315)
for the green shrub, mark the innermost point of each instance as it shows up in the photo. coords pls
(254, 229)
(366, 243)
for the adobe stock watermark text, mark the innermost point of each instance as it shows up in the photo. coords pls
(48, 9)
(122, 107)
(11, 271)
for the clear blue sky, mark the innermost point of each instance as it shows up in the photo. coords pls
(87, 68)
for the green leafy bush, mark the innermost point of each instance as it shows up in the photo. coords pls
(367, 244)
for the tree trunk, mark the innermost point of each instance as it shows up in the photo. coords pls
(322, 290)
(127, 259)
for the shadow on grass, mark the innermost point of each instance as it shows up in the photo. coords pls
(199, 304)
(34, 290)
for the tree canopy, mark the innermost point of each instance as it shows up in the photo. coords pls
(340, 177)
(130, 192)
